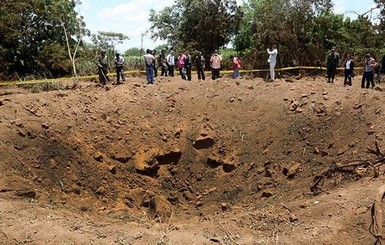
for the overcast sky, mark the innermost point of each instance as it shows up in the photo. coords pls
(130, 17)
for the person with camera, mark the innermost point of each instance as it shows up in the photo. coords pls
(215, 62)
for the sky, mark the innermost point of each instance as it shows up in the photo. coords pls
(130, 17)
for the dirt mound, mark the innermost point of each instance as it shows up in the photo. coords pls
(242, 152)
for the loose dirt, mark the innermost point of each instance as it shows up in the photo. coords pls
(179, 162)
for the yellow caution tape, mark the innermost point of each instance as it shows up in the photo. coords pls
(12, 83)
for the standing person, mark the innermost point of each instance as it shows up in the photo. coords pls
(349, 67)
(102, 62)
(200, 64)
(273, 53)
(163, 63)
(181, 62)
(369, 64)
(155, 63)
(149, 64)
(119, 68)
(236, 65)
(171, 63)
(188, 65)
(215, 62)
(331, 64)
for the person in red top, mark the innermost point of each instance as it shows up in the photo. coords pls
(236, 65)
(181, 65)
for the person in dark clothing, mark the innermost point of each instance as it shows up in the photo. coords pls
(349, 68)
(369, 64)
(188, 65)
(119, 67)
(102, 63)
(383, 65)
(331, 64)
(200, 63)
(163, 63)
(155, 63)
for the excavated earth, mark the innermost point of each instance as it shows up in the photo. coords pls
(178, 162)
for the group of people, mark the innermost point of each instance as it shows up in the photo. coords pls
(370, 69)
(184, 63)
(102, 63)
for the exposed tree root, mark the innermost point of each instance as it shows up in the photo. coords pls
(353, 168)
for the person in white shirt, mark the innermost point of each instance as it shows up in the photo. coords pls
(119, 68)
(215, 62)
(171, 63)
(349, 67)
(149, 60)
(272, 60)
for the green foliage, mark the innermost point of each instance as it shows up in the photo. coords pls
(203, 25)
(108, 40)
(31, 30)
(304, 31)
(133, 52)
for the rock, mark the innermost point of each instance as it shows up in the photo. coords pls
(45, 125)
(203, 143)
(250, 87)
(98, 156)
(260, 169)
(267, 193)
(28, 193)
(100, 191)
(112, 169)
(232, 99)
(291, 171)
(21, 133)
(122, 158)
(188, 195)
(358, 106)
(293, 219)
(228, 167)
(171, 157)
(160, 208)
(324, 93)
(293, 105)
(299, 110)
(237, 83)
(224, 206)
(304, 95)
(361, 210)
(325, 97)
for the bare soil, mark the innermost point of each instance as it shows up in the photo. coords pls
(179, 162)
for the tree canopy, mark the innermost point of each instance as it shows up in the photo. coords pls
(203, 25)
(31, 36)
(46, 37)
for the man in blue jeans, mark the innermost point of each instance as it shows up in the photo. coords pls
(149, 60)
(368, 75)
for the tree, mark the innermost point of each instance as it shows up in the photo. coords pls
(203, 25)
(31, 30)
(108, 40)
(133, 52)
(292, 25)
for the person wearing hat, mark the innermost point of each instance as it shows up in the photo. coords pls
(273, 53)
(331, 65)
(102, 63)
(119, 67)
